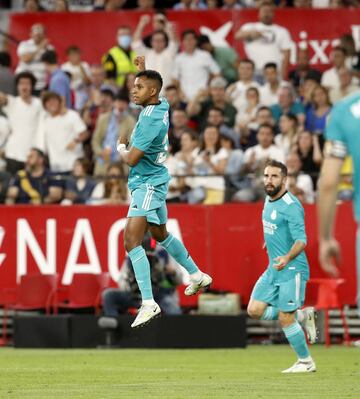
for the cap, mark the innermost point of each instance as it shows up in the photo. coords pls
(218, 82)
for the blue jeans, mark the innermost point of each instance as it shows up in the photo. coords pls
(117, 302)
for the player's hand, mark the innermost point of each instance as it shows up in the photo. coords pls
(139, 62)
(329, 256)
(281, 262)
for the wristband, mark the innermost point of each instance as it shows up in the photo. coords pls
(121, 147)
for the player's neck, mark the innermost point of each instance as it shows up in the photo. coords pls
(278, 195)
(153, 101)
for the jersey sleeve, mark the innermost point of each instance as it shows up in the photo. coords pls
(146, 132)
(336, 145)
(296, 223)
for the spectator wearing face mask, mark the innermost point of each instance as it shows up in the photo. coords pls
(119, 60)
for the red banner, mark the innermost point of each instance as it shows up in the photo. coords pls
(95, 33)
(225, 241)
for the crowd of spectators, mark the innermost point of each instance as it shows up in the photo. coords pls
(59, 123)
(149, 5)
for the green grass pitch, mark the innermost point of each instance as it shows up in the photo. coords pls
(222, 373)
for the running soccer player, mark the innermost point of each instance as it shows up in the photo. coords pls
(148, 183)
(342, 137)
(280, 290)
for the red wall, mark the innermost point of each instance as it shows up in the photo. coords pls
(225, 241)
(95, 32)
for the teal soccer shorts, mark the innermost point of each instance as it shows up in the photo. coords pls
(149, 201)
(287, 296)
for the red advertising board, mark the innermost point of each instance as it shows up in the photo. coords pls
(225, 241)
(95, 32)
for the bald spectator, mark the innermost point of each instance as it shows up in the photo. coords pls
(265, 41)
(199, 107)
(193, 68)
(23, 112)
(288, 105)
(30, 52)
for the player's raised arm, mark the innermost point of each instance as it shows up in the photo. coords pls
(139, 62)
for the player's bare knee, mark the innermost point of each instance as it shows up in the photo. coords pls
(286, 319)
(130, 243)
(254, 311)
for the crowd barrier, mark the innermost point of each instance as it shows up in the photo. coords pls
(95, 32)
(225, 240)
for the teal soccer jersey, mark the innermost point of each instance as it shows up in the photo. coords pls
(283, 224)
(343, 133)
(150, 136)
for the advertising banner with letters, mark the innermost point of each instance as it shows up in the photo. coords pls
(95, 32)
(226, 241)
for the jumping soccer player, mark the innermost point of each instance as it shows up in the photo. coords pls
(148, 183)
(342, 137)
(280, 291)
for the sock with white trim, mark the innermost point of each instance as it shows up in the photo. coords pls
(296, 337)
(270, 313)
(141, 268)
(178, 251)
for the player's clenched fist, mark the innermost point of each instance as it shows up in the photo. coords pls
(139, 62)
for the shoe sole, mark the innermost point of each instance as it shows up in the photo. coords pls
(203, 289)
(147, 322)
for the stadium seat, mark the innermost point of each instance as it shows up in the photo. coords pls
(327, 298)
(34, 292)
(85, 292)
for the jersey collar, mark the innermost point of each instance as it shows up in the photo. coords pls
(277, 199)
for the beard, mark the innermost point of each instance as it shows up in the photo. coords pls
(272, 191)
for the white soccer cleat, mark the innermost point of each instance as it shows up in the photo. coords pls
(194, 288)
(301, 367)
(145, 314)
(309, 324)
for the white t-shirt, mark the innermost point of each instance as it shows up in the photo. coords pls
(24, 120)
(58, 132)
(269, 47)
(237, 93)
(193, 71)
(330, 78)
(283, 142)
(200, 167)
(162, 62)
(267, 96)
(304, 183)
(36, 67)
(4, 130)
(272, 152)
